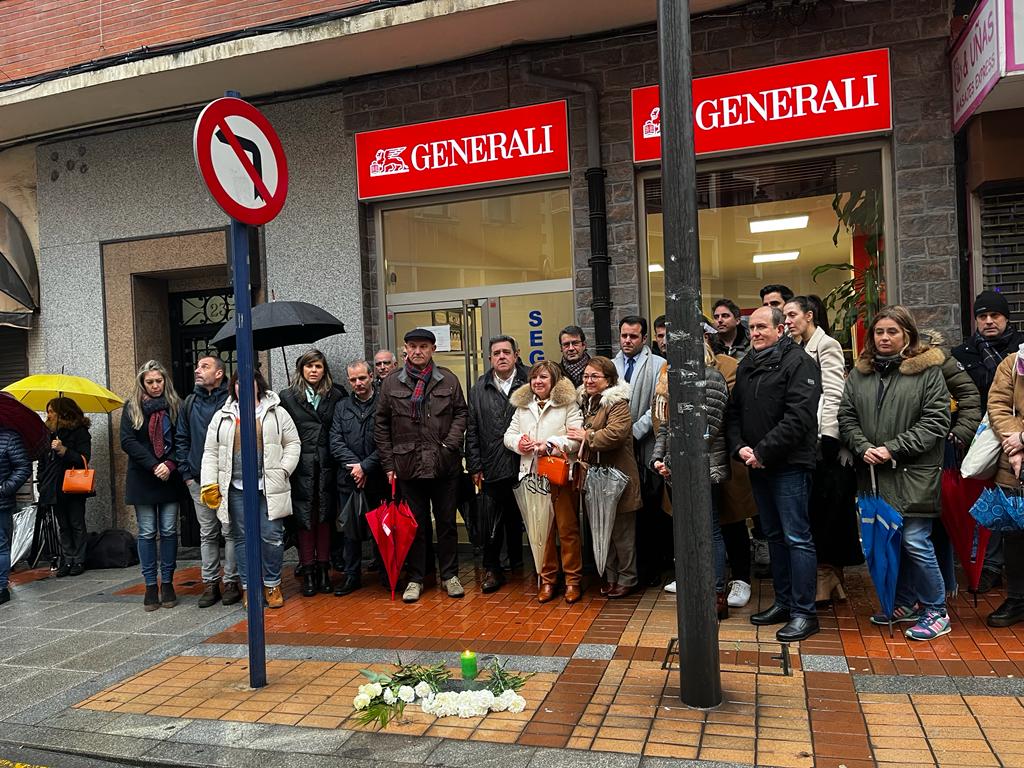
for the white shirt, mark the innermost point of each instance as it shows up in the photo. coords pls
(505, 385)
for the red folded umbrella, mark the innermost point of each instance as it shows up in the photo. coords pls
(26, 422)
(969, 539)
(394, 528)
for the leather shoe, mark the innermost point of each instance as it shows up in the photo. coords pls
(546, 593)
(492, 582)
(606, 587)
(348, 586)
(573, 593)
(798, 628)
(774, 615)
(1007, 614)
(619, 591)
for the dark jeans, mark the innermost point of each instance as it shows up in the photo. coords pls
(737, 549)
(781, 497)
(271, 538)
(6, 534)
(1013, 548)
(504, 511)
(70, 514)
(653, 535)
(717, 542)
(441, 494)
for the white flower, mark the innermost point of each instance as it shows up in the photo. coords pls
(362, 701)
(407, 694)
(502, 701)
(374, 689)
(517, 705)
(389, 697)
(423, 690)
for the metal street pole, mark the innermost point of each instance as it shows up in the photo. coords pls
(250, 468)
(700, 677)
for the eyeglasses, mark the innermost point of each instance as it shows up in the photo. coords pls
(592, 376)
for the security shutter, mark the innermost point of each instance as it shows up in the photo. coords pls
(13, 355)
(1002, 245)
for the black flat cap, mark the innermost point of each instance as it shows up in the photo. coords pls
(421, 334)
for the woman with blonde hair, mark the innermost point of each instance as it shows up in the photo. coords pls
(152, 484)
(546, 410)
(894, 418)
(310, 401)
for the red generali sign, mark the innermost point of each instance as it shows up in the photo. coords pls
(834, 96)
(520, 143)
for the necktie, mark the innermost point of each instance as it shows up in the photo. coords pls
(629, 368)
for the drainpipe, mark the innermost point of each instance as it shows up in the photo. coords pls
(601, 303)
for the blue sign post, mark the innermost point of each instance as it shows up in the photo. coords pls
(242, 162)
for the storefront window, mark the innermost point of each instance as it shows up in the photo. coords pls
(490, 241)
(770, 224)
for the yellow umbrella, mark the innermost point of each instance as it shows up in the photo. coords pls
(36, 391)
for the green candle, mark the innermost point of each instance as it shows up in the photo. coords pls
(468, 659)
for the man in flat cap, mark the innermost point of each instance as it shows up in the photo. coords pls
(419, 428)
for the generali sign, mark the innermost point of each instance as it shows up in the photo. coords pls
(821, 98)
(975, 63)
(520, 143)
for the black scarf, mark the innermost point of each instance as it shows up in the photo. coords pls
(994, 351)
(884, 365)
(575, 370)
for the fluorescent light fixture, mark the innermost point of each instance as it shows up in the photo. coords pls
(767, 258)
(779, 223)
(655, 268)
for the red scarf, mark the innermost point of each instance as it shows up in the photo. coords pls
(419, 392)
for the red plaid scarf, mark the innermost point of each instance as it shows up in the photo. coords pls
(419, 393)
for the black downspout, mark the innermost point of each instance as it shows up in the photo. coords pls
(601, 301)
(963, 212)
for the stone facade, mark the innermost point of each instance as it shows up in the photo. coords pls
(915, 31)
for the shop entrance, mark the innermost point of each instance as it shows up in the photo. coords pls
(464, 326)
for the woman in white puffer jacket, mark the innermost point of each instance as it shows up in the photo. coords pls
(545, 409)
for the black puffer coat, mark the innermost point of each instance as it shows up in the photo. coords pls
(315, 461)
(490, 413)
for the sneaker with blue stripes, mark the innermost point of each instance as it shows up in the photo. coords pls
(933, 624)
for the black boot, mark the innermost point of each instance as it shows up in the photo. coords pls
(1007, 614)
(152, 599)
(309, 580)
(325, 578)
(168, 599)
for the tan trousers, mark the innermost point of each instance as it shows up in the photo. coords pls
(567, 524)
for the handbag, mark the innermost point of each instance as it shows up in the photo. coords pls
(80, 480)
(554, 468)
(983, 456)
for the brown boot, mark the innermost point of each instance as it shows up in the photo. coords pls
(546, 593)
(572, 593)
(721, 606)
(274, 597)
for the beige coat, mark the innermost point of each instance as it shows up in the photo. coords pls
(1006, 413)
(543, 424)
(610, 440)
(828, 354)
(278, 441)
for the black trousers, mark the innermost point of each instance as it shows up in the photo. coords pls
(70, 514)
(737, 549)
(501, 503)
(653, 546)
(441, 494)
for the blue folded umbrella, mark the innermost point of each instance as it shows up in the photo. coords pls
(998, 510)
(881, 532)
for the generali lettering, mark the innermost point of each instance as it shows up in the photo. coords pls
(482, 148)
(849, 93)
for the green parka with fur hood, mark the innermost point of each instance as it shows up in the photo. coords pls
(909, 415)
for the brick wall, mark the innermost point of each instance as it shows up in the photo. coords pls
(914, 30)
(38, 36)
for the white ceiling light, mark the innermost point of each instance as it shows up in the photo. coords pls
(779, 223)
(766, 258)
(655, 268)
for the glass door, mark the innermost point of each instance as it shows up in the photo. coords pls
(457, 325)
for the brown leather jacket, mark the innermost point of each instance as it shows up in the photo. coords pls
(430, 447)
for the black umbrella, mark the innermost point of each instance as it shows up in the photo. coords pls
(282, 323)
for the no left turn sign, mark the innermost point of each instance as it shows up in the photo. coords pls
(241, 160)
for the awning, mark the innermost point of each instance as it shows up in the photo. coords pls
(19, 276)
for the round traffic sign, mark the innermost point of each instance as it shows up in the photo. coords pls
(241, 160)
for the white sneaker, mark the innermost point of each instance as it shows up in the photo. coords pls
(454, 587)
(761, 555)
(739, 594)
(671, 587)
(412, 592)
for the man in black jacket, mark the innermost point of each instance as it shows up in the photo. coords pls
(772, 426)
(15, 469)
(355, 452)
(993, 339)
(493, 466)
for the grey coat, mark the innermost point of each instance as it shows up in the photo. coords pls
(716, 397)
(641, 384)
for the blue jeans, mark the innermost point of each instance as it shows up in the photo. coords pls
(920, 579)
(781, 497)
(271, 535)
(6, 535)
(151, 517)
(717, 542)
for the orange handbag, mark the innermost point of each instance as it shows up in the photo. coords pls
(554, 468)
(80, 480)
